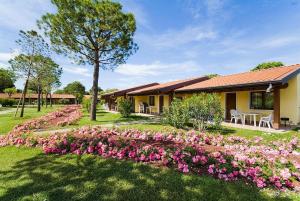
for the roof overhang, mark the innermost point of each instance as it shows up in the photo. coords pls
(240, 87)
(168, 89)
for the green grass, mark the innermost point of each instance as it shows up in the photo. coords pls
(226, 131)
(104, 117)
(8, 121)
(28, 174)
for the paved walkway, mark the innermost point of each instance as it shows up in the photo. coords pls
(7, 111)
(250, 127)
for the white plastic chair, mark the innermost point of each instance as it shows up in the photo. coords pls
(141, 108)
(236, 116)
(268, 120)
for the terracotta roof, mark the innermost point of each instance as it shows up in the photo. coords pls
(34, 96)
(278, 75)
(125, 91)
(168, 86)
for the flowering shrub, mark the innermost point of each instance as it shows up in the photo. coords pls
(65, 116)
(228, 159)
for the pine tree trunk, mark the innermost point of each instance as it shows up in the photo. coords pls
(39, 99)
(24, 94)
(46, 100)
(95, 88)
(50, 99)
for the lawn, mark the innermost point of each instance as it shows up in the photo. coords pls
(104, 117)
(28, 174)
(8, 121)
(226, 131)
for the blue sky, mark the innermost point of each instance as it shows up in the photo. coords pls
(178, 38)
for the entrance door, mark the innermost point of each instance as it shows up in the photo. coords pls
(161, 104)
(230, 104)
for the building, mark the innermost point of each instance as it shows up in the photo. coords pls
(32, 98)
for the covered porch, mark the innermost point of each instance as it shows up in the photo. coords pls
(258, 106)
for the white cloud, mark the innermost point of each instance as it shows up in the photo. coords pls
(77, 70)
(213, 9)
(157, 68)
(280, 41)
(18, 14)
(6, 56)
(175, 38)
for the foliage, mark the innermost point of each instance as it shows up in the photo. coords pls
(267, 65)
(124, 107)
(177, 115)
(98, 33)
(77, 89)
(26, 64)
(212, 75)
(10, 91)
(63, 101)
(86, 103)
(59, 91)
(7, 79)
(204, 108)
(5, 102)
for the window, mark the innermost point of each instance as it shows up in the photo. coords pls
(151, 101)
(261, 100)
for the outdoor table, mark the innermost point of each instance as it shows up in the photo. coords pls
(285, 120)
(252, 116)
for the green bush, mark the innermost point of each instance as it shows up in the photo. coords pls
(63, 101)
(203, 109)
(7, 102)
(86, 103)
(177, 114)
(124, 107)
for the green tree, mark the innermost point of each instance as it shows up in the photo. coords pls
(47, 72)
(31, 44)
(7, 79)
(267, 65)
(77, 89)
(10, 91)
(59, 91)
(94, 32)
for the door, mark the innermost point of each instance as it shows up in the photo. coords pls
(161, 104)
(230, 104)
(132, 100)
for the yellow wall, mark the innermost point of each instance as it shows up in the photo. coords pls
(289, 100)
(145, 99)
(298, 100)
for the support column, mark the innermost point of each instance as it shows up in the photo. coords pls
(276, 123)
(171, 97)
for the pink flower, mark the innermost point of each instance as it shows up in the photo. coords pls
(90, 149)
(285, 173)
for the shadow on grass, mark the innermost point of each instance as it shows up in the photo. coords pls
(221, 130)
(51, 177)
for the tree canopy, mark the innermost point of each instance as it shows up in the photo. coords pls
(7, 79)
(94, 32)
(267, 65)
(77, 89)
(26, 64)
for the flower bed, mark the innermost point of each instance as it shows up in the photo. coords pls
(65, 116)
(228, 159)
